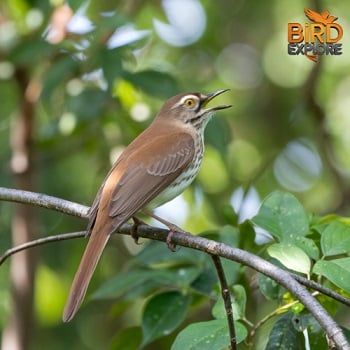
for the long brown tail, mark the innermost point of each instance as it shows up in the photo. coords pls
(91, 256)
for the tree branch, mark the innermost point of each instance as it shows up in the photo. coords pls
(284, 278)
(326, 291)
(44, 201)
(126, 229)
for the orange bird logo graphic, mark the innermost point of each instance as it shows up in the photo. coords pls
(323, 18)
(318, 38)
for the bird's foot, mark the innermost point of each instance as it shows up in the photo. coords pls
(172, 230)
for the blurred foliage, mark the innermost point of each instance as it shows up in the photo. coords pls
(98, 84)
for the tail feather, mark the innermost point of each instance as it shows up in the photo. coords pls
(91, 256)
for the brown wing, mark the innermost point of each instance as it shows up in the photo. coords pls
(145, 178)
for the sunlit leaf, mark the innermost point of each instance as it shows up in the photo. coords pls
(126, 93)
(306, 244)
(50, 296)
(291, 257)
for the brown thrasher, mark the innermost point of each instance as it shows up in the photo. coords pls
(156, 167)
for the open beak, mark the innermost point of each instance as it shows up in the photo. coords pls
(207, 98)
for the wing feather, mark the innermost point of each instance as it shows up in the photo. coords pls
(144, 179)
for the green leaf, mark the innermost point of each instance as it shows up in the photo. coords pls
(76, 4)
(238, 299)
(307, 323)
(58, 73)
(130, 281)
(282, 215)
(111, 62)
(291, 257)
(230, 235)
(229, 215)
(306, 244)
(127, 339)
(88, 104)
(121, 283)
(270, 288)
(156, 254)
(206, 281)
(31, 51)
(335, 239)
(247, 237)
(284, 336)
(207, 336)
(153, 83)
(337, 271)
(162, 314)
(218, 135)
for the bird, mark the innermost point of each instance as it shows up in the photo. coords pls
(324, 17)
(154, 168)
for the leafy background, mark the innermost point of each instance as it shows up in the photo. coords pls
(90, 96)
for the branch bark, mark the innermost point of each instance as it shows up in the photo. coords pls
(284, 278)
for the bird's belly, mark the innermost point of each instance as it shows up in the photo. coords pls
(177, 186)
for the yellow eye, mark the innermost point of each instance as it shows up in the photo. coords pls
(190, 103)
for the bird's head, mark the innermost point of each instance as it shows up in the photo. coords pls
(190, 108)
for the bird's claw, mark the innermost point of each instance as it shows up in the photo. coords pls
(137, 223)
(172, 230)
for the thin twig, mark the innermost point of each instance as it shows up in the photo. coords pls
(38, 242)
(276, 312)
(227, 301)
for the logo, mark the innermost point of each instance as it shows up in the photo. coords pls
(321, 37)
